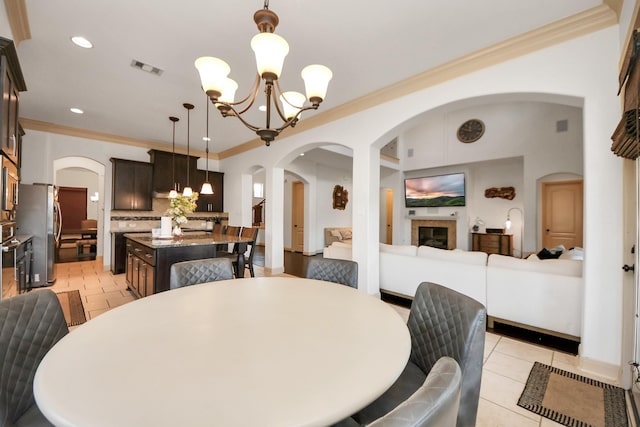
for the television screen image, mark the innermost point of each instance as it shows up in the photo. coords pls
(434, 191)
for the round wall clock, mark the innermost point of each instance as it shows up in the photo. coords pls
(471, 131)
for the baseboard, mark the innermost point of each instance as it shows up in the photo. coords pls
(273, 271)
(600, 369)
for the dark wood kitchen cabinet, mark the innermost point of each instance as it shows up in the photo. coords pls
(163, 171)
(210, 202)
(11, 84)
(131, 190)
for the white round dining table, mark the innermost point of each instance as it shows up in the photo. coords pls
(268, 351)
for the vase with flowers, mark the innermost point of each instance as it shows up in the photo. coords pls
(179, 207)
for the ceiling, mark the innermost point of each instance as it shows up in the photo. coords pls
(368, 45)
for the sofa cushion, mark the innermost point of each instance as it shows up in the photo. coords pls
(399, 249)
(564, 267)
(573, 253)
(454, 255)
(346, 234)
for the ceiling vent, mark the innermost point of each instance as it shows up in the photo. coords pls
(146, 67)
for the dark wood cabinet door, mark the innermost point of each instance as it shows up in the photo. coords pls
(5, 84)
(131, 190)
(163, 171)
(11, 150)
(142, 187)
(122, 189)
(11, 84)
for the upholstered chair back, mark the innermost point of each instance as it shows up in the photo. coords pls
(434, 404)
(443, 322)
(333, 270)
(188, 273)
(31, 324)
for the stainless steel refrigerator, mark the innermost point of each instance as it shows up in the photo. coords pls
(38, 214)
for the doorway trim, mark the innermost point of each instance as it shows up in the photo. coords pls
(97, 168)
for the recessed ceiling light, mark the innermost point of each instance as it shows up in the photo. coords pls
(76, 110)
(262, 108)
(204, 138)
(82, 42)
(301, 154)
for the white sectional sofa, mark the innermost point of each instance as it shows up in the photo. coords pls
(543, 295)
(403, 268)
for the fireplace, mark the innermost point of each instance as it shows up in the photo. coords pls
(433, 236)
(439, 233)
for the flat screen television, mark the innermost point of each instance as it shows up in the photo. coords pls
(434, 191)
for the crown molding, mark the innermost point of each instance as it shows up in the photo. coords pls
(18, 20)
(578, 25)
(41, 126)
(594, 19)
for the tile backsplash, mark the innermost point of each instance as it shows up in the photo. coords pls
(144, 221)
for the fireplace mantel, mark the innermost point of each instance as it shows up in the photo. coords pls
(434, 217)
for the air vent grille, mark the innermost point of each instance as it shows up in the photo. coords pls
(146, 67)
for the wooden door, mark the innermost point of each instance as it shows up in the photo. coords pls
(389, 217)
(297, 216)
(73, 206)
(562, 214)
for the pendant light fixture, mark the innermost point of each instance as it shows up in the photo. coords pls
(206, 185)
(173, 193)
(188, 192)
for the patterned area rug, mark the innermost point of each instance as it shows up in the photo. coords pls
(72, 307)
(573, 400)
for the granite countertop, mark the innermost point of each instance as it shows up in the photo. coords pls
(189, 238)
(17, 241)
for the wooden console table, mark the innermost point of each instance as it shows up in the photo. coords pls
(492, 243)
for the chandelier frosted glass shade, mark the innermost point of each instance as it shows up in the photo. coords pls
(270, 50)
(316, 81)
(292, 103)
(229, 88)
(213, 73)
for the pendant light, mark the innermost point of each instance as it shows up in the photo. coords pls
(173, 193)
(206, 185)
(188, 192)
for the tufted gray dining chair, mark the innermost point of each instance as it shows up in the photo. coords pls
(188, 273)
(435, 403)
(333, 270)
(442, 322)
(31, 324)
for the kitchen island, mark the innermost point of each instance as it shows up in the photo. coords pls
(149, 259)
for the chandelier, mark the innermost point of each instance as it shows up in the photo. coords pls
(270, 50)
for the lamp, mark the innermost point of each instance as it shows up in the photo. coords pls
(270, 51)
(206, 185)
(173, 193)
(508, 223)
(188, 192)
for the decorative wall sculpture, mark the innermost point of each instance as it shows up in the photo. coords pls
(340, 197)
(502, 192)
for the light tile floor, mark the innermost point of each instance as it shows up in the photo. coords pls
(507, 361)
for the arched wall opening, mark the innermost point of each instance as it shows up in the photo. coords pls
(93, 167)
